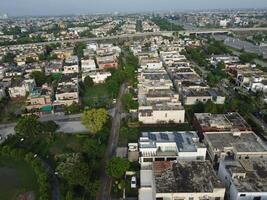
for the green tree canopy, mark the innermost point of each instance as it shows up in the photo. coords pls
(78, 49)
(39, 77)
(94, 119)
(8, 58)
(116, 167)
(128, 102)
(88, 82)
(28, 126)
(50, 126)
(72, 168)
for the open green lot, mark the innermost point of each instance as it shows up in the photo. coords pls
(16, 178)
(96, 96)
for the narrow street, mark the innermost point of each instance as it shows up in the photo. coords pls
(106, 181)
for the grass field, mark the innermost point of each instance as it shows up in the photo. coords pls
(16, 178)
(96, 96)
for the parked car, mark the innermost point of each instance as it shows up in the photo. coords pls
(133, 182)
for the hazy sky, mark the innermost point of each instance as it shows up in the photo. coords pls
(58, 7)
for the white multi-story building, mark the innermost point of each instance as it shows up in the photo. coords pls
(170, 146)
(158, 103)
(20, 88)
(244, 179)
(151, 63)
(88, 65)
(169, 58)
(161, 113)
(98, 77)
(71, 65)
(67, 91)
(193, 96)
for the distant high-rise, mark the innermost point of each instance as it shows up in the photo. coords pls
(3, 16)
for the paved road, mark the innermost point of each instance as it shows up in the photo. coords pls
(106, 181)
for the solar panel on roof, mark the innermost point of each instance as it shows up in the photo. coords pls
(188, 141)
(164, 136)
(179, 140)
(152, 136)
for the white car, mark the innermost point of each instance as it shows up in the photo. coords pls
(133, 182)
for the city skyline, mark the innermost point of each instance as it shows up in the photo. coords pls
(65, 7)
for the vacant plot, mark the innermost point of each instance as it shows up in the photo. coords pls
(96, 96)
(17, 179)
(10, 109)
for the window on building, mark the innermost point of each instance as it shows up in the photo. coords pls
(217, 198)
(257, 198)
(200, 158)
(159, 198)
(159, 159)
(171, 159)
(148, 160)
(191, 198)
(242, 195)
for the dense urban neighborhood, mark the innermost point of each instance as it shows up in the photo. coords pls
(148, 106)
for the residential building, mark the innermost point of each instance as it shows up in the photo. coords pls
(244, 179)
(187, 180)
(192, 96)
(98, 77)
(105, 62)
(67, 91)
(234, 145)
(150, 63)
(161, 113)
(158, 103)
(207, 122)
(88, 65)
(170, 58)
(170, 146)
(39, 98)
(71, 65)
(19, 88)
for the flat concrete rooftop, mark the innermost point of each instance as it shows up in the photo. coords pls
(187, 177)
(246, 142)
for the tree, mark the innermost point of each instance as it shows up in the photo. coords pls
(8, 58)
(247, 57)
(210, 107)
(39, 77)
(29, 60)
(94, 119)
(88, 82)
(72, 109)
(73, 169)
(50, 126)
(78, 49)
(116, 167)
(128, 134)
(128, 102)
(28, 126)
